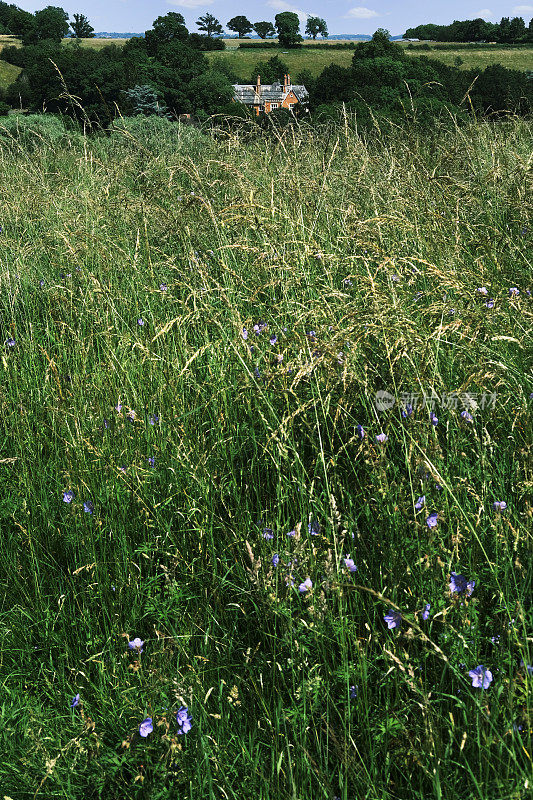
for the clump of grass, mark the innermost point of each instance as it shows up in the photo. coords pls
(193, 328)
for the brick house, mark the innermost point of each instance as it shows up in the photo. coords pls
(269, 97)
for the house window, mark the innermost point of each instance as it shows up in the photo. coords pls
(274, 105)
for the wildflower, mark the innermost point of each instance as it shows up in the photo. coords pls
(495, 639)
(420, 502)
(10, 342)
(106, 424)
(136, 644)
(123, 470)
(361, 432)
(131, 416)
(529, 667)
(75, 701)
(163, 287)
(313, 528)
(466, 416)
(432, 520)
(381, 438)
(151, 461)
(459, 584)
(275, 559)
(311, 335)
(291, 533)
(407, 411)
(68, 497)
(267, 533)
(118, 407)
(393, 619)
(425, 612)
(347, 282)
(279, 358)
(244, 334)
(482, 290)
(257, 373)
(350, 564)
(140, 321)
(273, 339)
(434, 419)
(146, 727)
(490, 303)
(481, 677)
(88, 507)
(41, 283)
(184, 720)
(307, 584)
(154, 419)
(417, 296)
(499, 505)
(514, 291)
(353, 692)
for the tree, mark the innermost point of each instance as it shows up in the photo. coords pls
(170, 28)
(288, 28)
(49, 23)
(271, 71)
(380, 46)
(517, 29)
(210, 92)
(210, 25)
(240, 25)
(81, 29)
(315, 26)
(144, 101)
(264, 30)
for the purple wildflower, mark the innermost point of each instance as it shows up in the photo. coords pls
(483, 290)
(407, 411)
(432, 520)
(88, 507)
(528, 667)
(459, 584)
(275, 559)
(68, 497)
(131, 416)
(146, 727)
(273, 339)
(151, 461)
(420, 502)
(41, 284)
(140, 321)
(499, 505)
(481, 677)
(381, 438)
(184, 720)
(514, 291)
(154, 419)
(361, 432)
(75, 701)
(257, 373)
(490, 303)
(244, 334)
(118, 407)
(350, 564)
(434, 419)
(106, 424)
(268, 533)
(313, 528)
(466, 416)
(305, 586)
(136, 644)
(291, 533)
(163, 287)
(393, 619)
(353, 692)
(425, 612)
(10, 342)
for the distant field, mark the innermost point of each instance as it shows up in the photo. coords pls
(315, 59)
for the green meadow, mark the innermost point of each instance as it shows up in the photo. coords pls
(208, 502)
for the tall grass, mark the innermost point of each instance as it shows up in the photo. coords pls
(130, 265)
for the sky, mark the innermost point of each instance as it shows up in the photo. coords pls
(342, 16)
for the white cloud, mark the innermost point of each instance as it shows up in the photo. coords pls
(190, 3)
(360, 12)
(485, 13)
(518, 10)
(281, 5)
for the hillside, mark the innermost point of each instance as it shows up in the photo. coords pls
(265, 403)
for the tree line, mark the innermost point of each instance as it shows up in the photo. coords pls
(507, 31)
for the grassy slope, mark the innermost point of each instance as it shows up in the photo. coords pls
(8, 74)
(378, 247)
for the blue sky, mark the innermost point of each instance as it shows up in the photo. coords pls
(342, 16)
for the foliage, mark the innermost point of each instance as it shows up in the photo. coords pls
(315, 26)
(380, 46)
(240, 25)
(210, 25)
(288, 28)
(168, 28)
(81, 27)
(205, 43)
(264, 29)
(4, 108)
(270, 71)
(476, 30)
(143, 100)
(210, 92)
(50, 23)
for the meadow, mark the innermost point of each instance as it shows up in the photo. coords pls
(265, 450)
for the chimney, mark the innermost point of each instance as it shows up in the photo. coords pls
(288, 82)
(258, 86)
(285, 82)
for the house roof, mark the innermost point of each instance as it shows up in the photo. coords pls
(274, 92)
